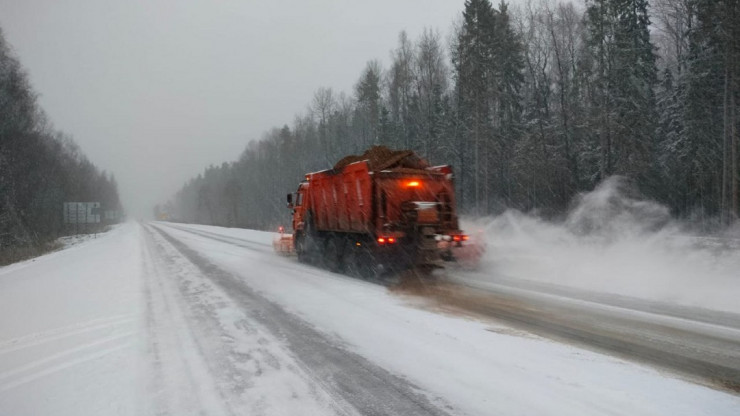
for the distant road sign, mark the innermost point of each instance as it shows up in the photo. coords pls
(111, 215)
(82, 212)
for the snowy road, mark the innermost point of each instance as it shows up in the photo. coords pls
(697, 342)
(174, 319)
(338, 380)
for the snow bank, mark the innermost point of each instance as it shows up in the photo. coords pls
(614, 242)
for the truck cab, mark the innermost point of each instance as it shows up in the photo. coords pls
(295, 202)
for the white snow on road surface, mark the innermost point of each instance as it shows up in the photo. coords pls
(124, 324)
(209, 356)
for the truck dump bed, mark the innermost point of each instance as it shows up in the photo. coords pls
(376, 190)
(341, 200)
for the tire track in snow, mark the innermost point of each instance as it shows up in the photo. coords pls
(672, 343)
(66, 361)
(482, 281)
(562, 314)
(241, 242)
(181, 384)
(347, 376)
(240, 362)
(56, 334)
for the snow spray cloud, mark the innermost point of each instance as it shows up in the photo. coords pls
(614, 242)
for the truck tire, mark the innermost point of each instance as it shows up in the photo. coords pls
(334, 258)
(357, 261)
(300, 248)
(350, 261)
(312, 247)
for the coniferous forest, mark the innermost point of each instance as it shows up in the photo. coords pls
(40, 169)
(531, 105)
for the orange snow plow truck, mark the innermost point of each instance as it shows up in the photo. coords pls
(381, 211)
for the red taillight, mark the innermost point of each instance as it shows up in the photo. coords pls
(413, 184)
(391, 240)
(388, 240)
(381, 240)
(460, 238)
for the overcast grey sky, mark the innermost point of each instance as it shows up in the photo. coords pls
(154, 91)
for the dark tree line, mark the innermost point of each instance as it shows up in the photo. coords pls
(530, 106)
(697, 104)
(40, 169)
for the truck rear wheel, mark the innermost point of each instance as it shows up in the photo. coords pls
(334, 254)
(311, 242)
(357, 261)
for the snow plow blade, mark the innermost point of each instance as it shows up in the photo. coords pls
(283, 245)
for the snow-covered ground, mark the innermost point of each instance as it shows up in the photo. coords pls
(173, 319)
(70, 328)
(73, 240)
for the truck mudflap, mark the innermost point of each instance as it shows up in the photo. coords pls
(428, 253)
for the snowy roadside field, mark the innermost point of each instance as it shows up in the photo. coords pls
(69, 343)
(140, 321)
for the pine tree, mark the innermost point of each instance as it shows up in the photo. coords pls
(430, 89)
(702, 110)
(472, 59)
(625, 78)
(367, 92)
(711, 111)
(400, 90)
(507, 84)
(675, 151)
